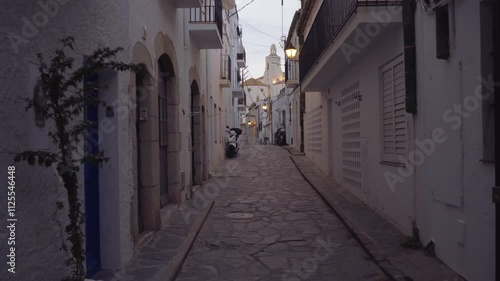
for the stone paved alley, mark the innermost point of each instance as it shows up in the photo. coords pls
(291, 234)
(281, 229)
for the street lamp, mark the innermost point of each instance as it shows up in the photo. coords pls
(290, 51)
(264, 107)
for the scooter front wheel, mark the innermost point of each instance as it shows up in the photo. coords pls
(231, 152)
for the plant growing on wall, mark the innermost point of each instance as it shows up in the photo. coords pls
(413, 242)
(66, 92)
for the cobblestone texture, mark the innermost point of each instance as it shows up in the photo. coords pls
(292, 235)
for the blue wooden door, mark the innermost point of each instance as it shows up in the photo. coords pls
(91, 172)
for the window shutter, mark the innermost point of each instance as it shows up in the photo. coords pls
(394, 127)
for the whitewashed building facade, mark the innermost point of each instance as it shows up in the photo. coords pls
(407, 130)
(172, 115)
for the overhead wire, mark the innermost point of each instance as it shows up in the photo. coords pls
(251, 98)
(258, 30)
(251, 76)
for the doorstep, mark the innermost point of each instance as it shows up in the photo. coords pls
(379, 238)
(163, 252)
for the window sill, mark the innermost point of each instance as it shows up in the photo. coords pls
(395, 164)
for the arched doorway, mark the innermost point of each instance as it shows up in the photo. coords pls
(165, 94)
(196, 135)
(143, 81)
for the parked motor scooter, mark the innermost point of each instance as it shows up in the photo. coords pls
(232, 146)
(281, 136)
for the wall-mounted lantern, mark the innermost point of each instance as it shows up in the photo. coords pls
(291, 51)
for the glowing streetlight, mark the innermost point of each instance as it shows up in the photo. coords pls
(290, 51)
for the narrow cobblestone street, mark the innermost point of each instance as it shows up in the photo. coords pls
(282, 231)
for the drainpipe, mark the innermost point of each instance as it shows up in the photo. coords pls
(410, 58)
(410, 55)
(306, 9)
(496, 73)
(209, 160)
(302, 98)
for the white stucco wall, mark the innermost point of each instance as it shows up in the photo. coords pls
(256, 93)
(396, 206)
(38, 189)
(293, 127)
(454, 206)
(165, 18)
(292, 136)
(94, 24)
(280, 104)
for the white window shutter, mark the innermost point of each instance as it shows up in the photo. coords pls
(394, 125)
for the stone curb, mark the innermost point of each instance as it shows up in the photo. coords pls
(397, 263)
(389, 271)
(177, 261)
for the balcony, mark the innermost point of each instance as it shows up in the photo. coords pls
(205, 25)
(291, 73)
(241, 104)
(241, 59)
(181, 4)
(237, 92)
(225, 71)
(333, 40)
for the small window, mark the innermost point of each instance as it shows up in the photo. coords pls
(442, 33)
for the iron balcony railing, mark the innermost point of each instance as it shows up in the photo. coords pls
(225, 67)
(331, 18)
(210, 12)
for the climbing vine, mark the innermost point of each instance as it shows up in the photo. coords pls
(66, 91)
